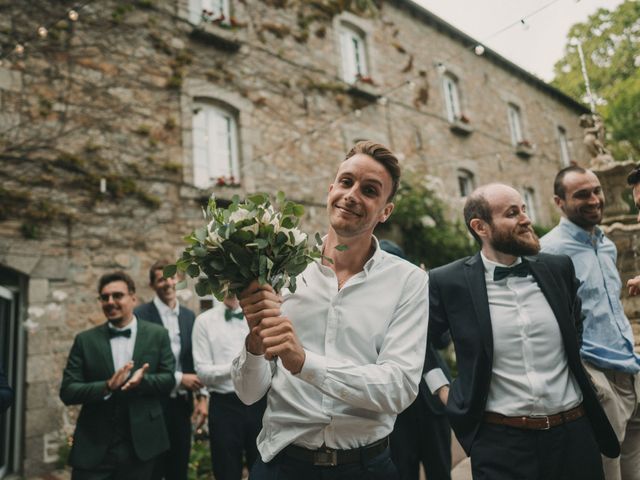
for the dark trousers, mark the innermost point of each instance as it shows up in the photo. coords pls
(174, 463)
(565, 452)
(120, 463)
(233, 429)
(283, 467)
(420, 436)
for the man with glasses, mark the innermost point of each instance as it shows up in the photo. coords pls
(118, 372)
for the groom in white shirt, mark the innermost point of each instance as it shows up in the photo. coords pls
(342, 356)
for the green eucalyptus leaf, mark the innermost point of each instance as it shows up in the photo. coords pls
(342, 248)
(193, 270)
(298, 210)
(169, 271)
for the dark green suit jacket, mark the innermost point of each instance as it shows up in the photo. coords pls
(89, 366)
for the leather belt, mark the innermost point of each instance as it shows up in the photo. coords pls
(538, 422)
(329, 457)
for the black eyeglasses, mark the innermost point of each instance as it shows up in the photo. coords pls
(104, 297)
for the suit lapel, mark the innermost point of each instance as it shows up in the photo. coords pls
(105, 348)
(474, 273)
(552, 292)
(184, 333)
(138, 347)
(155, 314)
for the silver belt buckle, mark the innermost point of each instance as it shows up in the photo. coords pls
(325, 458)
(546, 418)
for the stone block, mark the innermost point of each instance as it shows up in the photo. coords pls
(53, 268)
(10, 80)
(38, 290)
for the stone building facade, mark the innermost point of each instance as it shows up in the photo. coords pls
(117, 126)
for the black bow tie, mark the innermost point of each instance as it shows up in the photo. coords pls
(520, 270)
(119, 333)
(230, 315)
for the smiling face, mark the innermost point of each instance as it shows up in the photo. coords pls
(509, 231)
(583, 201)
(165, 288)
(117, 303)
(358, 197)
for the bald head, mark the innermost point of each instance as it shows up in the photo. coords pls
(481, 202)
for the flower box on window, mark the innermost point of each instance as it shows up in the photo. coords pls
(230, 182)
(365, 88)
(218, 31)
(524, 149)
(461, 125)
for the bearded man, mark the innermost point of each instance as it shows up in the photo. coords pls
(607, 350)
(522, 406)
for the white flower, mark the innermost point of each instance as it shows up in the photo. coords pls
(427, 221)
(59, 296)
(298, 236)
(213, 238)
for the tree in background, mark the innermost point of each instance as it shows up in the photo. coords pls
(420, 220)
(611, 44)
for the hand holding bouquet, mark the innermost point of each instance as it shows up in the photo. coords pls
(246, 241)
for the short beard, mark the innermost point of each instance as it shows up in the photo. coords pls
(511, 244)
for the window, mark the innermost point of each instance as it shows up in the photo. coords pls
(215, 145)
(565, 159)
(466, 182)
(219, 9)
(515, 124)
(354, 54)
(529, 197)
(451, 97)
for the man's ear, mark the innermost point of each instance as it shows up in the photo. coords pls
(558, 201)
(479, 226)
(386, 212)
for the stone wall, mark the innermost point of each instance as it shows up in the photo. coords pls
(109, 97)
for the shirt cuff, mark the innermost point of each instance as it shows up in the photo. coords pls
(250, 361)
(435, 379)
(314, 368)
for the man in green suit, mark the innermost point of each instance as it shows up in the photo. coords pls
(118, 371)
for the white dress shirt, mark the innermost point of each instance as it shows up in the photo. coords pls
(216, 342)
(530, 375)
(169, 317)
(122, 347)
(364, 346)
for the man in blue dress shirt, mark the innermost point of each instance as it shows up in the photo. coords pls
(608, 346)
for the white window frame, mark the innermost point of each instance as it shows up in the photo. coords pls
(515, 123)
(451, 97)
(215, 144)
(218, 7)
(353, 52)
(466, 182)
(529, 197)
(565, 156)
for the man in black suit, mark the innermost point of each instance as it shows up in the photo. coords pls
(164, 310)
(422, 433)
(118, 371)
(522, 405)
(6, 394)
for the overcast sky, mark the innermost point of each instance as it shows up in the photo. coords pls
(536, 46)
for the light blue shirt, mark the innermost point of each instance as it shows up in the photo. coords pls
(607, 336)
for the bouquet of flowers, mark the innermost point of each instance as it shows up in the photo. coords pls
(246, 241)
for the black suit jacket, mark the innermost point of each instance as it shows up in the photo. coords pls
(6, 394)
(458, 302)
(89, 366)
(186, 317)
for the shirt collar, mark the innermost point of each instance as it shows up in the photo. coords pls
(164, 309)
(490, 265)
(580, 234)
